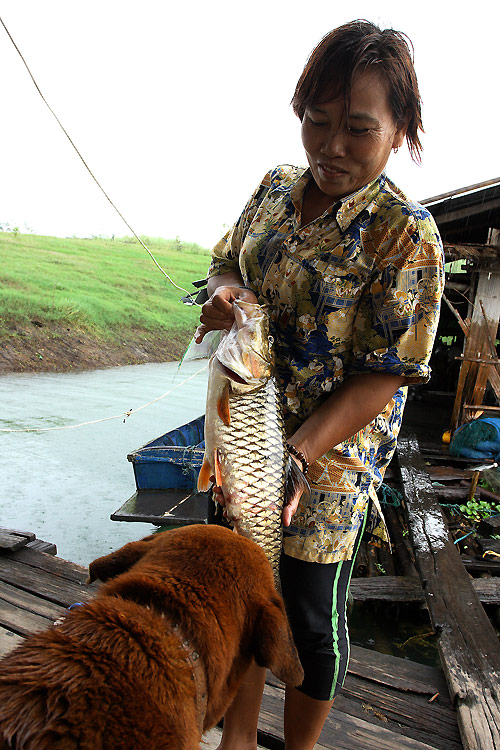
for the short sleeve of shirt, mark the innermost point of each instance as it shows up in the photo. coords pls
(225, 255)
(397, 318)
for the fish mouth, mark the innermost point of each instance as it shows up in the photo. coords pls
(231, 374)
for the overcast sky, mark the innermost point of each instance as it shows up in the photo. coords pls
(180, 108)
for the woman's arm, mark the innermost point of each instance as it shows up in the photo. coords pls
(349, 409)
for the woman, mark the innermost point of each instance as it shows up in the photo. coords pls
(352, 272)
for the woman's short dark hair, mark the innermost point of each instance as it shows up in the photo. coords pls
(352, 49)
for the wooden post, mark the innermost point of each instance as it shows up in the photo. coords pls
(473, 375)
(467, 642)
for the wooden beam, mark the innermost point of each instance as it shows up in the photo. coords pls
(463, 325)
(483, 328)
(477, 254)
(460, 191)
(467, 211)
(409, 589)
(467, 642)
(480, 407)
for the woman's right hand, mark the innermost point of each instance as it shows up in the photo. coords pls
(217, 313)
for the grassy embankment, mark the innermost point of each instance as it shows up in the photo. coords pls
(79, 303)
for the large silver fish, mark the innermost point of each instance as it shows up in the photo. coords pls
(245, 444)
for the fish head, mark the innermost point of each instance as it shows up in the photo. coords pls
(246, 351)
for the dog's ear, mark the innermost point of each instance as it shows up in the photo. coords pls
(273, 645)
(120, 561)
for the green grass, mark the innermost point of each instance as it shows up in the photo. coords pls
(100, 286)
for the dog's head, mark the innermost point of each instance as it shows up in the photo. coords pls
(218, 568)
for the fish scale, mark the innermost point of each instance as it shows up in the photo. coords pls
(254, 499)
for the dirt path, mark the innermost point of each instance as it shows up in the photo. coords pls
(42, 349)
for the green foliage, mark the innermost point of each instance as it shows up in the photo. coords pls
(381, 569)
(475, 510)
(103, 286)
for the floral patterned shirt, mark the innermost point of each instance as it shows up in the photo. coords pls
(357, 290)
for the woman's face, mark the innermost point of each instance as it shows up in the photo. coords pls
(346, 155)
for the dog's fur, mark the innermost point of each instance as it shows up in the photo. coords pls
(113, 676)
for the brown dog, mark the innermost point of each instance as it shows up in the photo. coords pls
(157, 656)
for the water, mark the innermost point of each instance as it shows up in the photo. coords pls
(402, 630)
(63, 485)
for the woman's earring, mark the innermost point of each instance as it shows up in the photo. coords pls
(396, 149)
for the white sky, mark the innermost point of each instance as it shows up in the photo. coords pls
(180, 108)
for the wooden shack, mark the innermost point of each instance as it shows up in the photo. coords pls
(469, 222)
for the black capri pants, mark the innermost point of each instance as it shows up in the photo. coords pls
(315, 597)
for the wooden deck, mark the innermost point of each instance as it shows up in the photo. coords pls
(387, 703)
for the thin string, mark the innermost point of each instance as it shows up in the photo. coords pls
(124, 415)
(190, 296)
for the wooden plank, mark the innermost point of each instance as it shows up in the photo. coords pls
(435, 723)
(12, 539)
(341, 732)
(409, 589)
(387, 588)
(391, 671)
(40, 546)
(21, 621)
(487, 589)
(473, 565)
(45, 585)
(369, 712)
(24, 600)
(433, 453)
(8, 641)
(468, 646)
(448, 473)
(395, 672)
(56, 566)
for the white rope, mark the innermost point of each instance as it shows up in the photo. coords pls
(180, 288)
(124, 415)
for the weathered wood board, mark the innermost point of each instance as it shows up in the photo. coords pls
(409, 589)
(8, 641)
(342, 731)
(12, 539)
(467, 643)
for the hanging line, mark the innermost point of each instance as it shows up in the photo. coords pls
(125, 415)
(190, 296)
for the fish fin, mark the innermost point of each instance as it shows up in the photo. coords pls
(223, 406)
(295, 480)
(218, 472)
(204, 476)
